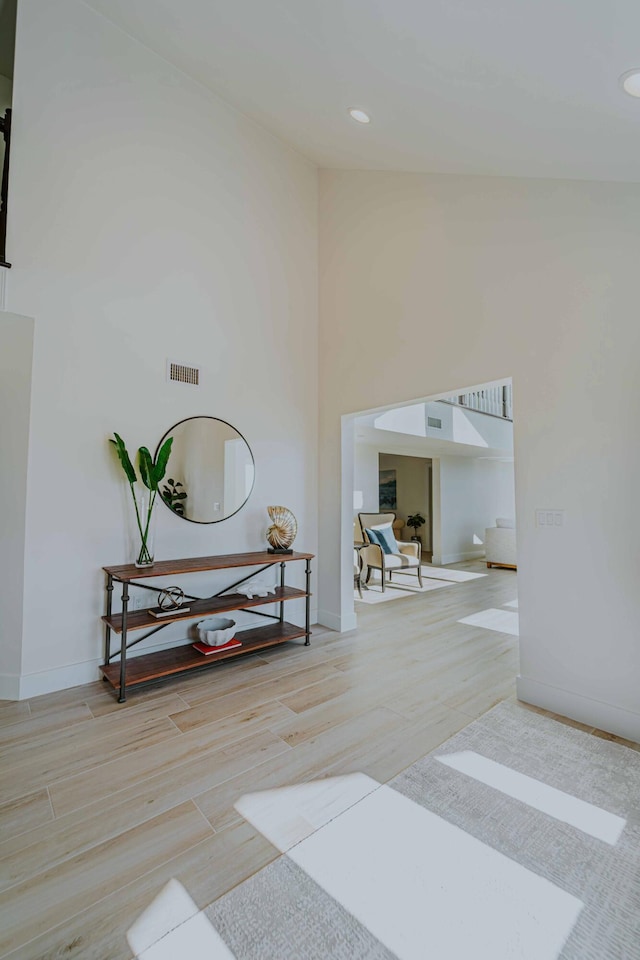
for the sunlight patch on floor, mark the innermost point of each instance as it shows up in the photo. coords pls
(424, 887)
(172, 927)
(502, 620)
(287, 815)
(556, 803)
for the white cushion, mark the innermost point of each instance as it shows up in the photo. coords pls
(393, 561)
(506, 523)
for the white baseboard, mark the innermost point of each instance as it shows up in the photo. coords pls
(336, 622)
(75, 674)
(14, 687)
(594, 713)
(59, 678)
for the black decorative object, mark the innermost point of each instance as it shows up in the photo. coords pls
(170, 600)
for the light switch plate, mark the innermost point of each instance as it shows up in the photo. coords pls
(549, 518)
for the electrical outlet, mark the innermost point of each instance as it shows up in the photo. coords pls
(136, 603)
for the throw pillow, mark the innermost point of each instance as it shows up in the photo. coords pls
(372, 536)
(505, 523)
(386, 539)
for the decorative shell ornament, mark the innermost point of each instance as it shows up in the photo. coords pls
(282, 531)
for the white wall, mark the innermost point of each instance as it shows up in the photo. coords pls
(148, 220)
(472, 494)
(366, 478)
(16, 348)
(480, 279)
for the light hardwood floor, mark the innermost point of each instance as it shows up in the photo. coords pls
(101, 803)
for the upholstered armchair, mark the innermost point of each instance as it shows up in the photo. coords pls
(383, 552)
(357, 571)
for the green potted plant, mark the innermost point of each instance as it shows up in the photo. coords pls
(415, 521)
(151, 473)
(173, 497)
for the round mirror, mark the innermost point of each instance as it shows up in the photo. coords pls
(210, 472)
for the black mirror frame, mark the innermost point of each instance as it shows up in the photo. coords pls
(206, 416)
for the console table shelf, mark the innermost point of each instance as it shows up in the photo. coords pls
(168, 663)
(165, 568)
(202, 608)
(125, 673)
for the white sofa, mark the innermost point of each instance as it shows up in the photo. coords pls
(500, 544)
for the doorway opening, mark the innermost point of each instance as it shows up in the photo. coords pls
(406, 487)
(439, 474)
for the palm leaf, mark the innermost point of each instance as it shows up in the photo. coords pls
(160, 466)
(123, 457)
(146, 468)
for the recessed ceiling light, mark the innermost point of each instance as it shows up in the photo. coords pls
(363, 117)
(630, 82)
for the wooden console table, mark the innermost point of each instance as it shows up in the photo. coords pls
(123, 674)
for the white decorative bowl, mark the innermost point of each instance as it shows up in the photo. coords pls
(216, 631)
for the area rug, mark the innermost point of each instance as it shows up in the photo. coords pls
(397, 589)
(517, 839)
(447, 573)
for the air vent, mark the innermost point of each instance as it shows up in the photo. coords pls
(181, 373)
(434, 422)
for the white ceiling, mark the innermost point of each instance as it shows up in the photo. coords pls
(499, 87)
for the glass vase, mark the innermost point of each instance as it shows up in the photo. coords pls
(143, 527)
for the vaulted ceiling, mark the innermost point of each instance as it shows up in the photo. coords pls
(498, 87)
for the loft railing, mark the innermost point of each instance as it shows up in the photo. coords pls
(495, 401)
(5, 129)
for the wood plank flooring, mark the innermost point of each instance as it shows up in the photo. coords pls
(101, 803)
